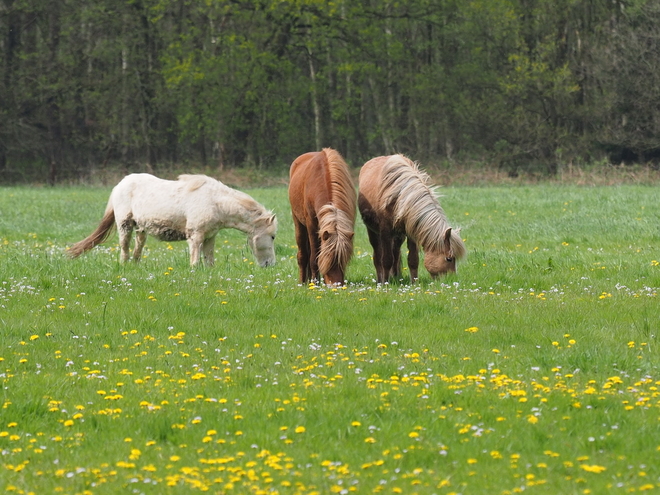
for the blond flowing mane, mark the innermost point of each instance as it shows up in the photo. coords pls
(338, 217)
(405, 187)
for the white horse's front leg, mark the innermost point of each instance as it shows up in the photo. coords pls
(195, 240)
(124, 241)
(208, 247)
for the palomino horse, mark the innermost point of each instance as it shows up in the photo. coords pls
(193, 208)
(323, 204)
(395, 202)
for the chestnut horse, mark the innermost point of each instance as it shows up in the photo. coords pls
(323, 204)
(395, 202)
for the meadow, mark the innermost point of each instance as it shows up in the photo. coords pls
(533, 369)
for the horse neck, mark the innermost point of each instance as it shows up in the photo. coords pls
(244, 213)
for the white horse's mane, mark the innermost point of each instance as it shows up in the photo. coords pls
(194, 182)
(258, 213)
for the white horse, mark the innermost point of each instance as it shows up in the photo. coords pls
(193, 208)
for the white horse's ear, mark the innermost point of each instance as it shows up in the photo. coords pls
(271, 220)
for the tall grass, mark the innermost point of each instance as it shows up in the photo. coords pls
(535, 367)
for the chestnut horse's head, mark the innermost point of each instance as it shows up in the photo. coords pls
(336, 235)
(443, 260)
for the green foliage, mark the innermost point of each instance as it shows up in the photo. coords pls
(150, 83)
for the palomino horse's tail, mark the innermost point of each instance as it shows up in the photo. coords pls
(95, 238)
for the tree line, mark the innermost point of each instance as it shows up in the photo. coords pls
(148, 84)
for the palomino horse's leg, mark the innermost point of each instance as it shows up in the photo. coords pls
(397, 241)
(195, 240)
(140, 239)
(413, 259)
(375, 241)
(387, 257)
(207, 250)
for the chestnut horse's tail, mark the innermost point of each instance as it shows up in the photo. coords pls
(95, 238)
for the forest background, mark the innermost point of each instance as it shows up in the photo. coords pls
(156, 85)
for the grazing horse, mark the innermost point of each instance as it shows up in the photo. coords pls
(395, 202)
(323, 204)
(193, 208)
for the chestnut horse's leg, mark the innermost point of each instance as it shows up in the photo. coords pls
(314, 250)
(140, 239)
(207, 250)
(413, 260)
(303, 252)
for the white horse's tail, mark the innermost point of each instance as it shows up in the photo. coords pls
(95, 238)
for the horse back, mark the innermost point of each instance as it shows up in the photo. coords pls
(370, 183)
(309, 187)
(150, 201)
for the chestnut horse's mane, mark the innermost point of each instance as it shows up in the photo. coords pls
(338, 217)
(416, 205)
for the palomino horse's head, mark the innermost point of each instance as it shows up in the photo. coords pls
(442, 261)
(262, 241)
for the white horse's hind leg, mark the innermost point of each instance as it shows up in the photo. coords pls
(140, 239)
(195, 240)
(124, 232)
(207, 249)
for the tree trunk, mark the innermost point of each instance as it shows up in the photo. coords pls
(315, 102)
(6, 102)
(52, 104)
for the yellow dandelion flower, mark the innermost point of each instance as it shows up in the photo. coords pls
(593, 468)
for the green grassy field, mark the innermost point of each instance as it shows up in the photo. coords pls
(534, 368)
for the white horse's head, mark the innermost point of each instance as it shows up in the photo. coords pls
(262, 240)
